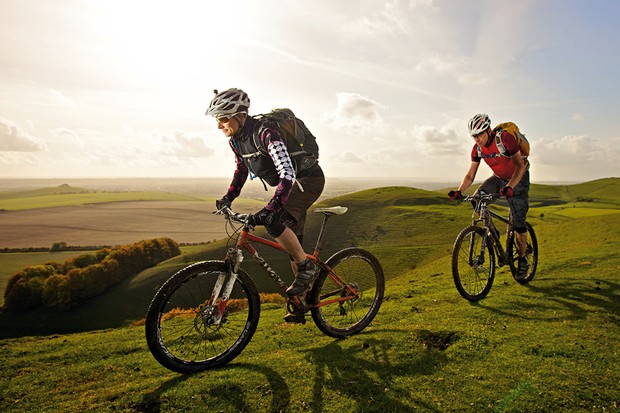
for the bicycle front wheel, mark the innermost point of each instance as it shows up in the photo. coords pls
(185, 330)
(345, 300)
(473, 267)
(531, 254)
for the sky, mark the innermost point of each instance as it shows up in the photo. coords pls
(110, 88)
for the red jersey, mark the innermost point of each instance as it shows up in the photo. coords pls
(502, 166)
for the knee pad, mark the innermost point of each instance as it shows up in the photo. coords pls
(276, 229)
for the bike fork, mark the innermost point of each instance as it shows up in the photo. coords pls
(479, 259)
(225, 287)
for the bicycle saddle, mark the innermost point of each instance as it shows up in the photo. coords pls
(337, 210)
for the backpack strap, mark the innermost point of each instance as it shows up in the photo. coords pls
(499, 143)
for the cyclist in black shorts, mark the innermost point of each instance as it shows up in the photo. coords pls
(284, 216)
(511, 176)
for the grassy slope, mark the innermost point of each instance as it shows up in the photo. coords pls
(547, 346)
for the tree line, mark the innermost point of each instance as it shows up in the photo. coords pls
(65, 286)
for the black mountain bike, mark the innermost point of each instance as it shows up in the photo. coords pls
(204, 315)
(477, 247)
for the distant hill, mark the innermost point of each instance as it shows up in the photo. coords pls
(406, 228)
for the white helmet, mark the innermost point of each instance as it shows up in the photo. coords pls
(479, 124)
(229, 102)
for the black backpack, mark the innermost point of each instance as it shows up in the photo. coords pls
(297, 137)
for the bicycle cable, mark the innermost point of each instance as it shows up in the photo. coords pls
(232, 231)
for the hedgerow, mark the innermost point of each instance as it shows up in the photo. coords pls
(66, 286)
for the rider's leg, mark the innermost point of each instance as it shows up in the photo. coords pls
(490, 185)
(291, 244)
(519, 205)
(521, 243)
(289, 228)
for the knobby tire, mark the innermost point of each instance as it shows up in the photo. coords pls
(531, 254)
(179, 331)
(361, 272)
(473, 275)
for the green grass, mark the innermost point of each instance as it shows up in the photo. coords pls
(548, 346)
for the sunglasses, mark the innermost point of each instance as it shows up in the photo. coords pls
(223, 118)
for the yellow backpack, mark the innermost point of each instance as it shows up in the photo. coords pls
(512, 129)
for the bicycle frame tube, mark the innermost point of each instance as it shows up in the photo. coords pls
(245, 240)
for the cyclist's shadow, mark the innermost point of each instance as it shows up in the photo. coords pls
(229, 394)
(343, 372)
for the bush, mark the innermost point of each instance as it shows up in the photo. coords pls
(67, 285)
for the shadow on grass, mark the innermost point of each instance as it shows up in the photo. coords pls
(369, 383)
(363, 375)
(151, 402)
(228, 394)
(577, 297)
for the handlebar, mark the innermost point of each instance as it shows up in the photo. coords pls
(480, 197)
(234, 216)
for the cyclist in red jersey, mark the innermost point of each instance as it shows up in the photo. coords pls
(511, 176)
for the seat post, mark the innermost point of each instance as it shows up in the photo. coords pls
(319, 240)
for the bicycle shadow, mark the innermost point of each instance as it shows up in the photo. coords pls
(229, 394)
(151, 402)
(578, 296)
(369, 383)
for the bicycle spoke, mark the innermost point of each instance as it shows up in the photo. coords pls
(185, 334)
(346, 301)
(473, 267)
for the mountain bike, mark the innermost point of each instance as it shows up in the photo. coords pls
(477, 246)
(204, 315)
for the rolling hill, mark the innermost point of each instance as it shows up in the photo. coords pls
(548, 346)
(406, 228)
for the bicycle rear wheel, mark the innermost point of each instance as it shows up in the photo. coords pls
(182, 330)
(531, 254)
(345, 302)
(473, 273)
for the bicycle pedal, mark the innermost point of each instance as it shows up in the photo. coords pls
(295, 318)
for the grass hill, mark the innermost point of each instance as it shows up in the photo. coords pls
(550, 345)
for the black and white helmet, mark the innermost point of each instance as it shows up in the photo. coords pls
(228, 103)
(479, 124)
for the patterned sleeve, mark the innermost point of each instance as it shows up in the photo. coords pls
(239, 177)
(276, 148)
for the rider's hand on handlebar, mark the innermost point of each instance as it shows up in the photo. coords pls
(454, 194)
(224, 202)
(262, 217)
(506, 191)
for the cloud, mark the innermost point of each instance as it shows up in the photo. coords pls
(577, 150)
(439, 141)
(60, 99)
(66, 139)
(12, 138)
(391, 20)
(354, 112)
(347, 157)
(182, 145)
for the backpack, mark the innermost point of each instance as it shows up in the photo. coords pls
(297, 137)
(513, 129)
(300, 144)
